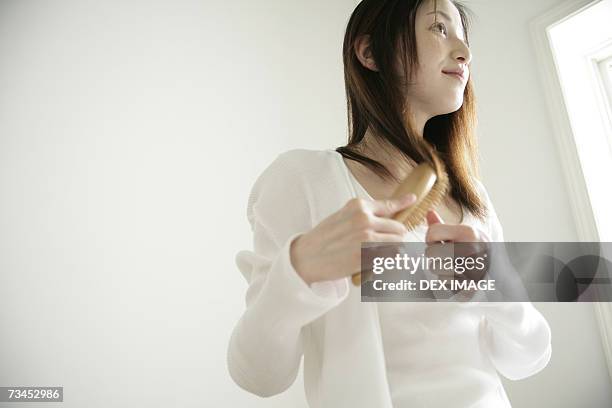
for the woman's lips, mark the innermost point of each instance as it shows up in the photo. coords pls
(456, 75)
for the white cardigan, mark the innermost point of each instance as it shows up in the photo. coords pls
(339, 336)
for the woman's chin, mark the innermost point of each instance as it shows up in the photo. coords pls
(451, 108)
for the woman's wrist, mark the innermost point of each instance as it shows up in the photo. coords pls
(295, 259)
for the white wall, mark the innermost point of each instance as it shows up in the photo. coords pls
(130, 135)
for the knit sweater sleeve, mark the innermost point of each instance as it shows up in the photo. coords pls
(517, 336)
(265, 347)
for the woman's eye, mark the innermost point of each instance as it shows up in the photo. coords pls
(439, 27)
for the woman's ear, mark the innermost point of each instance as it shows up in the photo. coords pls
(364, 52)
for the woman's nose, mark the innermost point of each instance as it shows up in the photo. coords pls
(462, 53)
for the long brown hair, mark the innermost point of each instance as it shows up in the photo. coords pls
(375, 100)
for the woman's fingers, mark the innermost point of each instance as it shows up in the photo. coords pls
(383, 237)
(386, 208)
(434, 218)
(458, 233)
(386, 225)
(438, 231)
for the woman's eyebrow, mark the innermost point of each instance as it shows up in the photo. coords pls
(443, 14)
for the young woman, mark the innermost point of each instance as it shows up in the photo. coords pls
(407, 73)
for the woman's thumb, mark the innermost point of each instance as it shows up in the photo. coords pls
(434, 218)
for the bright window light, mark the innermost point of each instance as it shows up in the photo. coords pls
(582, 48)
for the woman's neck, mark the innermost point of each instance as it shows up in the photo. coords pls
(385, 153)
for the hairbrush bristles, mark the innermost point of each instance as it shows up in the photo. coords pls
(427, 199)
(429, 186)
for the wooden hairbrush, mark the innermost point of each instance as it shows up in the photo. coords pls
(430, 188)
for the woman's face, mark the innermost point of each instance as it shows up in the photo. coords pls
(441, 49)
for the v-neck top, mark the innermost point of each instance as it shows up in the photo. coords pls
(432, 350)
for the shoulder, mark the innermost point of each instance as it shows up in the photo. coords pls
(297, 166)
(307, 162)
(482, 190)
(280, 197)
(492, 224)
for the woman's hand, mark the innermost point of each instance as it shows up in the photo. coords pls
(332, 249)
(469, 242)
(439, 231)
